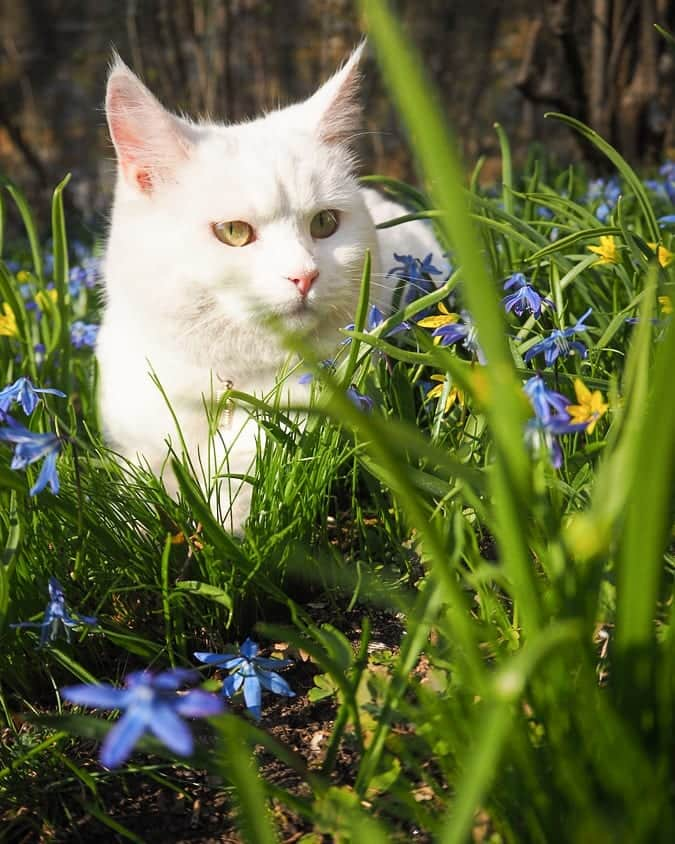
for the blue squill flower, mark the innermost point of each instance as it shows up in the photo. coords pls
(543, 436)
(416, 273)
(24, 393)
(252, 672)
(307, 377)
(57, 619)
(83, 334)
(547, 403)
(607, 192)
(31, 447)
(559, 343)
(463, 332)
(364, 403)
(151, 704)
(525, 297)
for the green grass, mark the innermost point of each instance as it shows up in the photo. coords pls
(534, 682)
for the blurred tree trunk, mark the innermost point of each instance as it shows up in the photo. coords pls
(619, 82)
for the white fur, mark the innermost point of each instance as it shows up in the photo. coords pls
(193, 310)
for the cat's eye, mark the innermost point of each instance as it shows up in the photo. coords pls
(234, 232)
(324, 224)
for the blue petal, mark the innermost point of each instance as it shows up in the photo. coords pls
(232, 684)
(97, 696)
(170, 730)
(226, 661)
(174, 678)
(275, 683)
(198, 704)
(119, 743)
(249, 649)
(271, 664)
(48, 475)
(253, 696)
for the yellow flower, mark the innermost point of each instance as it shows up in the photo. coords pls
(666, 305)
(45, 299)
(8, 326)
(590, 408)
(443, 318)
(665, 256)
(23, 276)
(453, 396)
(607, 251)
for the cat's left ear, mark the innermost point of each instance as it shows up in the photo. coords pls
(335, 110)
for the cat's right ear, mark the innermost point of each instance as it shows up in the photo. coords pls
(149, 141)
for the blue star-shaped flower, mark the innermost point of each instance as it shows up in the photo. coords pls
(151, 703)
(463, 332)
(83, 334)
(24, 393)
(56, 619)
(559, 343)
(608, 192)
(252, 672)
(364, 403)
(416, 273)
(31, 447)
(543, 435)
(546, 403)
(525, 297)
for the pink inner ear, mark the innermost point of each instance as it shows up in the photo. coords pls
(147, 139)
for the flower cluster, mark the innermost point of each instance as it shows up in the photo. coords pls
(152, 703)
(30, 446)
(555, 416)
(606, 193)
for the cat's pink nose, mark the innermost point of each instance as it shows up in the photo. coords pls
(304, 281)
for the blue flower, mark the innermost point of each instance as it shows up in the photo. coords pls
(608, 192)
(329, 363)
(543, 437)
(251, 671)
(151, 704)
(525, 297)
(364, 403)
(87, 274)
(558, 343)
(416, 273)
(83, 334)
(667, 220)
(547, 403)
(463, 332)
(31, 447)
(56, 619)
(24, 393)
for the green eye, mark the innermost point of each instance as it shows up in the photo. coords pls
(234, 232)
(324, 224)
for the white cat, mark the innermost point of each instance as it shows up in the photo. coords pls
(214, 229)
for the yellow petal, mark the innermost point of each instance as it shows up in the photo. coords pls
(666, 305)
(582, 391)
(437, 321)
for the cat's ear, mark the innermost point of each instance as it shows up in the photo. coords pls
(335, 109)
(149, 141)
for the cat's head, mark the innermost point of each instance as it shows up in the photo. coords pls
(236, 223)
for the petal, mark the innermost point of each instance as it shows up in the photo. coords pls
(582, 392)
(97, 696)
(198, 704)
(271, 664)
(275, 683)
(171, 730)
(220, 660)
(119, 743)
(174, 678)
(232, 684)
(48, 475)
(253, 696)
